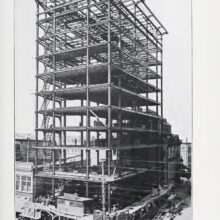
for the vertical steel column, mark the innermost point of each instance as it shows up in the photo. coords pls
(98, 134)
(81, 156)
(134, 42)
(45, 89)
(44, 103)
(64, 116)
(87, 173)
(103, 190)
(36, 99)
(157, 74)
(37, 87)
(158, 121)
(161, 80)
(60, 152)
(135, 31)
(147, 55)
(120, 126)
(60, 138)
(54, 87)
(120, 94)
(81, 135)
(81, 160)
(64, 133)
(81, 124)
(87, 77)
(87, 96)
(109, 103)
(97, 152)
(109, 82)
(89, 158)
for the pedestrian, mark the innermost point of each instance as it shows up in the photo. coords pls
(114, 208)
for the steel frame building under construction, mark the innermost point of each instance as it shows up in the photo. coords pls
(99, 75)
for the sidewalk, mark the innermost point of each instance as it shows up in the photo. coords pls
(186, 214)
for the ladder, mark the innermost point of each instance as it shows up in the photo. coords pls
(45, 125)
(46, 119)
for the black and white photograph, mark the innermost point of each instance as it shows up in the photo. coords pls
(103, 110)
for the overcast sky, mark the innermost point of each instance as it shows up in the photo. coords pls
(175, 16)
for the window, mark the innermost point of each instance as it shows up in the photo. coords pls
(23, 183)
(76, 204)
(18, 182)
(29, 184)
(60, 201)
(26, 183)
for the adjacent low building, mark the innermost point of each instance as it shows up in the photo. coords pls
(186, 151)
(23, 184)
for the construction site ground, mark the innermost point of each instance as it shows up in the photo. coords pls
(183, 194)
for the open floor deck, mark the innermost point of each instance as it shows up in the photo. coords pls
(83, 147)
(98, 74)
(99, 94)
(92, 177)
(101, 111)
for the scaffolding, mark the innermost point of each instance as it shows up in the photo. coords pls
(99, 73)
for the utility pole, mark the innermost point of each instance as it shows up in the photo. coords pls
(28, 148)
(103, 190)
